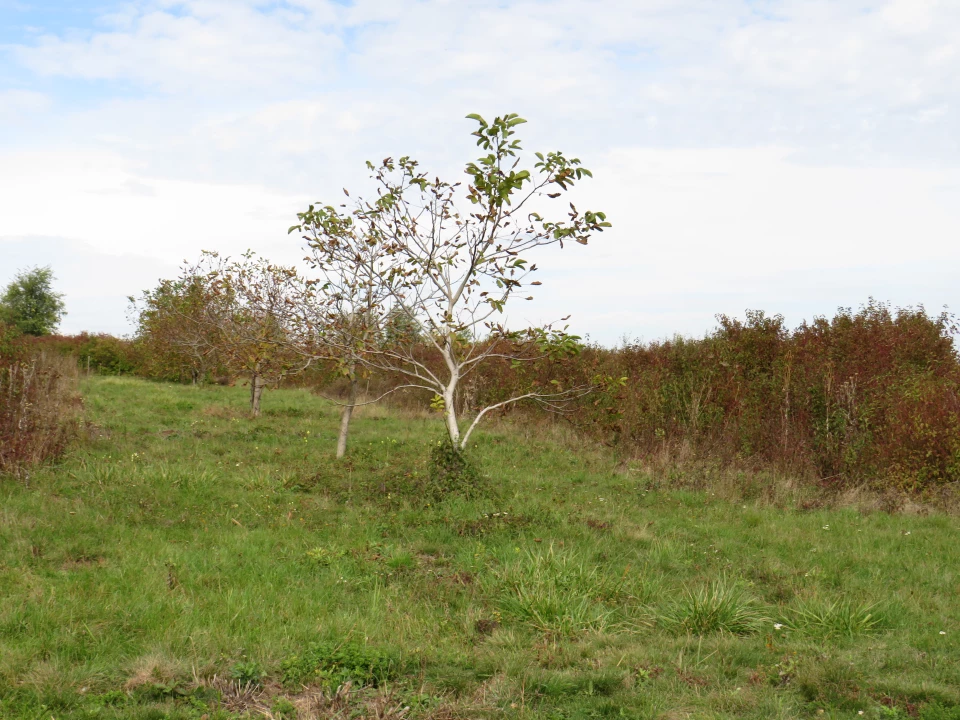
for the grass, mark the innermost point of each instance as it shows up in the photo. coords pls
(185, 561)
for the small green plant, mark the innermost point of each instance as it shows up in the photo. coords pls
(283, 709)
(324, 557)
(332, 664)
(721, 606)
(247, 672)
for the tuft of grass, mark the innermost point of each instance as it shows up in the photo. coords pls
(835, 618)
(559, 592)
(722, 606)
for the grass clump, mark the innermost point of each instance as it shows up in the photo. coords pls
(837, 618)
(722, 606)
(560, 592)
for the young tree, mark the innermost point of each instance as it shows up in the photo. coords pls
(258, 327)
(30, 304)
(349, 308)
(452, 272)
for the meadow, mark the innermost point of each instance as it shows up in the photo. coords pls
(185, 561)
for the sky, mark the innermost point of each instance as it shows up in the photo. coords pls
(793, 156)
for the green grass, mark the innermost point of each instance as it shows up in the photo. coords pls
(186, 561)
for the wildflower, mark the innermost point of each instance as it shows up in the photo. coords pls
(826, 527)
(778, 626)
(943, 632)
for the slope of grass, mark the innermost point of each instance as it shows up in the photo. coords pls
(188, 562)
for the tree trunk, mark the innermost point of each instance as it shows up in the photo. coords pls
(257, 384)
(450, 411)
(450, 394)
(345, 416)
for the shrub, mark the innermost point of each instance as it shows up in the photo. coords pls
(101, 353)
(38, 411)
(867, 396)
(452, 473)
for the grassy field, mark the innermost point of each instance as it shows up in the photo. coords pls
(188, 562)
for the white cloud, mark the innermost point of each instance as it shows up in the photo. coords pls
(201, 45)
(17, 106)
(98, 199)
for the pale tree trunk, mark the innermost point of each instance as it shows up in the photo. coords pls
(450, 411)
(257, 383)
(345, 416)
(450, 395)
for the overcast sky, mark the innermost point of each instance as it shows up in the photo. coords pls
(791, 156)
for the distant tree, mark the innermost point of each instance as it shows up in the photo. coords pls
(257, 326)
(171, 328)
(450, 272)
(30, 304)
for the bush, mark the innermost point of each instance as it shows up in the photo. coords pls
(868, 396)
(453, 473)
(101, 353)
(39, 409)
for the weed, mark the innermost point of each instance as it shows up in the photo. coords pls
(247, 672)
(324, 557)
(283, 709)
(333, 664)
(38, 412)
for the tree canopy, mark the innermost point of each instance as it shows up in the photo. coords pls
(30, 304)
(447, 258)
